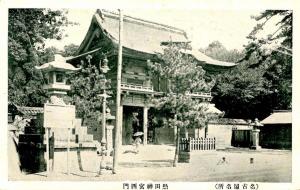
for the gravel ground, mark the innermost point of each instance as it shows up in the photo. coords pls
(154, 162)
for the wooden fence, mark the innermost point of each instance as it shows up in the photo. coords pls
(191, 144)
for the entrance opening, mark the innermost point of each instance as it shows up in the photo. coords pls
(241, 138)
(132, 123)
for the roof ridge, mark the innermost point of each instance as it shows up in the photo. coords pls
(28, 107)
(145, 21)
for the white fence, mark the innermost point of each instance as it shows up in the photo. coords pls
(191, 144)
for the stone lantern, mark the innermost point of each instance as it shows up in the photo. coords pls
(56, 78)
(109, 131)
(58, 116)
(255, 134)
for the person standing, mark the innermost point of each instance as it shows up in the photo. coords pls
(135, 122)
(137, 143)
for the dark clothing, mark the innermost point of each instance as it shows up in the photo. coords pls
(135, 125)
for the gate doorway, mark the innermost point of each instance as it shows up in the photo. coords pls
(241, 138)
(131, 123)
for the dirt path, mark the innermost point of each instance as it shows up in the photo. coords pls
(154, 162)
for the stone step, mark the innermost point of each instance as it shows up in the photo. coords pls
(72, 138)
(78, 122)
(81, 130)
(85, 138)
(89, 138)
(63, 144)
(62, 134)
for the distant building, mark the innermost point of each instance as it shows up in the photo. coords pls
(142, 40)
(277, 130)
(24, 112)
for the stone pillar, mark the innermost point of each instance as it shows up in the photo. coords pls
(145, 124)
(109, 138)
(255, 139)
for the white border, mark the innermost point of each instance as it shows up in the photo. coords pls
(145, 4)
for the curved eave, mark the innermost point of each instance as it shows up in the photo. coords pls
(96, 20)
(206, 60)
(68, 59)
(200, 57)
(86, 38)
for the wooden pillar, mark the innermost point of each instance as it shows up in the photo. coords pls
(68, 152)
(47, 151)
(145, 124)
(121, 124)
(119, 113)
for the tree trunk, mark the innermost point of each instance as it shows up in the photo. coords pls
(176, 147)
(82, 120)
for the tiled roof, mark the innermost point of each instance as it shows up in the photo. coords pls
(279, 117)
(143, 36)
(230, 121)
(208, 60)
(30, 110)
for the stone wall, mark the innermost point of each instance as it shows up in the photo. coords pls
(222, 133)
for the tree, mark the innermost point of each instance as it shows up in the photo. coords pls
(27, 31)
(262, 80)
(70, 50)
(86, 85)
(279, 41)
(273, 52)
(184, 76)
(217, 51)
(47, 54)
(241, 93)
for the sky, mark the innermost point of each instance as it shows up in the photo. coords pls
(202, 26)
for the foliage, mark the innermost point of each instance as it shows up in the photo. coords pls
(217, 51)
(184, 76)
(274, 54)
(20, 123)
(70, 50)
(262, 81)
(241, 92)
(48, 53)
(182, 72)
(27, 31)
(279, 41)
(189, 112)
(86, 85)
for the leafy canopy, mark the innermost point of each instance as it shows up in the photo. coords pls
(86, 85)
(27, 31)
(184, 76)
(217, 51)
(262, 80)
(279, 41)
